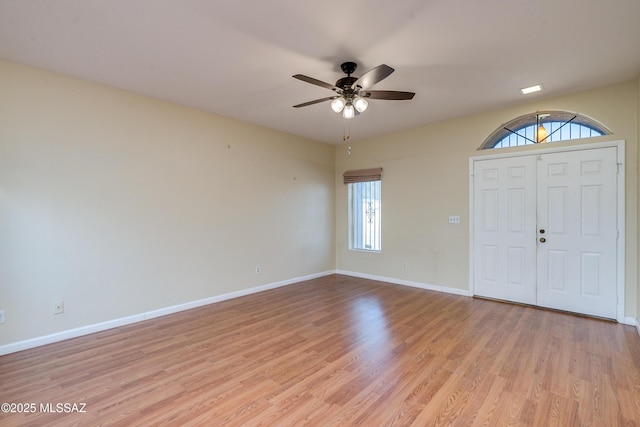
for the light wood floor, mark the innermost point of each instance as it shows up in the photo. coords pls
(338, 351)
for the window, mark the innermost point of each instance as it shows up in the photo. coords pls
(542, 127)
(365, 205)
(364, 216)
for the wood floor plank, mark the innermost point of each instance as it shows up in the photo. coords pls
(338, 351)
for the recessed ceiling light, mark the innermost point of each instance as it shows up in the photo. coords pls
(531, 89)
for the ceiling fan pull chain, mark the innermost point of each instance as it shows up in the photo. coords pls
(346, 130)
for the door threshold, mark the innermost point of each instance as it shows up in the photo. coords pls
(504, 301)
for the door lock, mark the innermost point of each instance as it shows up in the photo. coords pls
(542, 231)
(542, 240)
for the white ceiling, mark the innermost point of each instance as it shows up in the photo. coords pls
(236, 58)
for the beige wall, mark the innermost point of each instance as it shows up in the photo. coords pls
(426, 179)
(119, 204)
(638, 217)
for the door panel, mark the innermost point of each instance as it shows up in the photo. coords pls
(556, 268)
(577, 209)
(505, 237)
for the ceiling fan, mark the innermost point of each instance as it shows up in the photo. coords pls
(353, 92)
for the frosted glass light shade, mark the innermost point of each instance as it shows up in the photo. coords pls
(361, 104)
(338, 104)
(348, 112)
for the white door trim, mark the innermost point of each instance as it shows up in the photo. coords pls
(620, 181)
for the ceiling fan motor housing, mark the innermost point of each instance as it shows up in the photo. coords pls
(345, 83)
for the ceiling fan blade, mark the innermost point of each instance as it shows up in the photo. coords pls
(317, 82)
(387, 94)
(316, 101)
(373, 76)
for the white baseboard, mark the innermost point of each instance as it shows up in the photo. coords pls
(632, 322)
(110, 324)
(445, 289)
(97, 327)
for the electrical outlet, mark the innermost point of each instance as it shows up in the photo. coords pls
(58, 307)
(454, 219)
(1, 316)
(257, 269)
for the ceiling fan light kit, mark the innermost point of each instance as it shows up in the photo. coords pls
(352, 91)
(345, 106)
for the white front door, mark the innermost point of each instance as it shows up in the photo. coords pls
(545, 230)
(505, 227)
(577, 231)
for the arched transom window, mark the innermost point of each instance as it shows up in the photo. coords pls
(544, 126)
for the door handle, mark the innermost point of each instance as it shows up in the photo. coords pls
(542, 231)
(542, 240)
